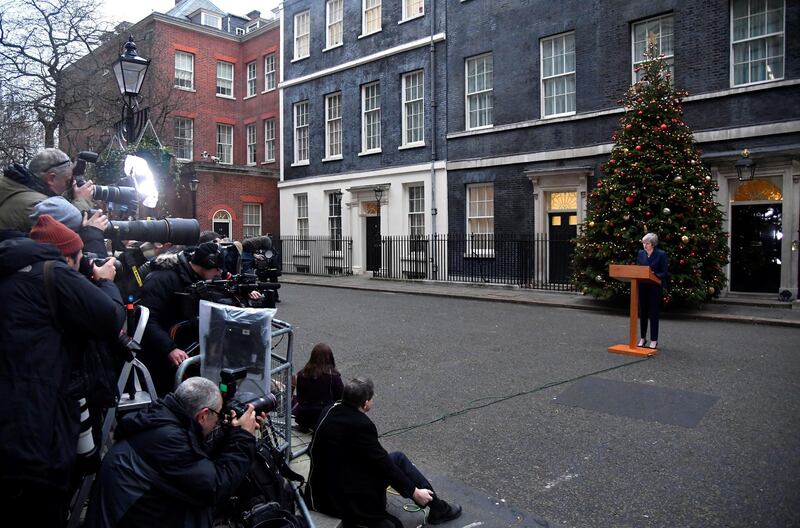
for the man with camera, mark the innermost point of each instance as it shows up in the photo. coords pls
(350, 470)
(49, 173)
(160, 472)
(48, 313)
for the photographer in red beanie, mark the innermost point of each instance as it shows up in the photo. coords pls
(43, 332)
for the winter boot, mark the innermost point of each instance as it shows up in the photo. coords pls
(441, 512)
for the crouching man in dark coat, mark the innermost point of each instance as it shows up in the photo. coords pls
(350, 469)
(160, 473)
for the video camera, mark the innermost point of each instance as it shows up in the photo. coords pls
(228, 386)
(104, 193)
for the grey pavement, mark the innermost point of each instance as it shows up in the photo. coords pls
(741, 308)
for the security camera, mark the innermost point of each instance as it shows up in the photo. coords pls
(205, 154)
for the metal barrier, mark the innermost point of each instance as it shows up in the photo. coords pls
(318, 255)
(534, 262)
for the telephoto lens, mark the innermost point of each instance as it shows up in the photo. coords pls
(183, 231)
(262, 404)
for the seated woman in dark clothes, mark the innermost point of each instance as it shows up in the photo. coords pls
(318, 385)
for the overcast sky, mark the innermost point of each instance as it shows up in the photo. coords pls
(133, 11)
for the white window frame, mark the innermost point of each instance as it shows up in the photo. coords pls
(663, 41)
(252, 27)
(479, 92)
(205, 17)
(411, 5)
(224, 150)
(239, 31)
(413, 103)
(269, 140)
(335, 220)
(252, 76)
(749, 40)
(416, 209)
(222, 82)
(180, 69)
(302, 35)
(485, 243)
(370, 8)
(187, 139)
(301, 207)
(251, 218)
(334, 24)
(543, 43)
(222, 216)
(333, 126)
(301, 122)
(252, 141)
(269, 72)
(370, 110)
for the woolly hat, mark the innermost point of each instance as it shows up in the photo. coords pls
(208, 256)
(61, 210)
(49, 231)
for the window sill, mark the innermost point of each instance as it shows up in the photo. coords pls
(304, 163)
(411, 145)
(484, 127)
(365, 35)
(253, 164)
(268, 91)
(553, 116)
(754, 83)
(181, 88)
(370, 152)
(298, 59)
(266, 162)
(248, 97)
(411, 18)
(332, 158)
(229, 163)
(230, 97)
(333, 47)
(184, 160)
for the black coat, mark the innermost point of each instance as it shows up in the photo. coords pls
(160, 474)
(313, 395)
(350, 469)
(39, 414)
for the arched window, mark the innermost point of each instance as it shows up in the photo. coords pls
(221, 223)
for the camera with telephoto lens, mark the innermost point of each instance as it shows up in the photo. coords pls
(92, 259)
(235, 401)
(104, 193)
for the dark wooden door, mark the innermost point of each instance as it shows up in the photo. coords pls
(562, 229)
(756, 235)
(373, 243)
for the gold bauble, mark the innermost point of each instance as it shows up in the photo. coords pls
(711, 290)
(685, 239)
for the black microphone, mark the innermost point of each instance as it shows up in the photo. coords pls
(251, 245)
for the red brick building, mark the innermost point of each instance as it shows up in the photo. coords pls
(212, 96)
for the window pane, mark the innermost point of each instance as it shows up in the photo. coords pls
(740, 8)
(739, 29)
(758, 25)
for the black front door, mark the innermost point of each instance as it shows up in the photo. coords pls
(373, 243)
(756, 234)
(563, 227)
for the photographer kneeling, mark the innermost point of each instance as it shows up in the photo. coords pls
(160, 473)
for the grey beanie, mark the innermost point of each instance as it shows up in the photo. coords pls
(60, 209)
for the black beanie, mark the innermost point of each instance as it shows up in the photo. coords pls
(208, 255)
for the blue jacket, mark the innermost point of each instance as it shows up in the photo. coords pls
(657, 262)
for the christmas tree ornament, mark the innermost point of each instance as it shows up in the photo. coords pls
(678, 179)
(666, 211)
(711, 290)
(591, 223)
(685, 239)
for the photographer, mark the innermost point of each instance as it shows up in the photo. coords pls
(44, 327)
(90, 225)
(49, 173)
(160, 473)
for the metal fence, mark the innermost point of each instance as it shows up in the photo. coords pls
(317, 255)
(529, 262)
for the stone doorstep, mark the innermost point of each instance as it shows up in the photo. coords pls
(301, 465)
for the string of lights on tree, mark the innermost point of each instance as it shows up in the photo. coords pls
(654, 182)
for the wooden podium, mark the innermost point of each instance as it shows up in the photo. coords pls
(633, 274)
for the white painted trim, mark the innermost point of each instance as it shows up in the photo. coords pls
(370, 152)
(417, 144)
(764, 85)
(327, 178)
(786, 127)
(365, 60)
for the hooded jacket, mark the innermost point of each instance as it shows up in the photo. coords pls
(160, 474)
(39, 415)
(18, 197)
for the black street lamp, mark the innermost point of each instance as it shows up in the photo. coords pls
(193, 184)
(745, 167)
(378, 195)
(130, 70)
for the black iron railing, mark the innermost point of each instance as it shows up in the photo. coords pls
(529, 262)
(316, 255)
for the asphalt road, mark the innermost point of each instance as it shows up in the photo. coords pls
(469, 390)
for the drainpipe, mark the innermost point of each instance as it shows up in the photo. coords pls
(434, 210)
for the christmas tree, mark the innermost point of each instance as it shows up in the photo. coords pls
(654, 182)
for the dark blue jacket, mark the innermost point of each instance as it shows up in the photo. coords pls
(39, 414)
(160, 474)
(657, 262)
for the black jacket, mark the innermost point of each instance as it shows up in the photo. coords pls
(39, 415)
(160, 474)
(350, 469)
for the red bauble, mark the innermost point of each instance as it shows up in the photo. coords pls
(648, 214)
(639, 112)
(611, 161)
(666, 153)
(682, 262)
(629, 200)
(663, 126)
(638, 147)
(627, 127)
(599, 183)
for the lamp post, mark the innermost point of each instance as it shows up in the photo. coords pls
(130, 70)
(193, 184)
(378, 195)
(745, 167)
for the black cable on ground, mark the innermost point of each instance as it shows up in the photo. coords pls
(499, 399)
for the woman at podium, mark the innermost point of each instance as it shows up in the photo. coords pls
(650, 294)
